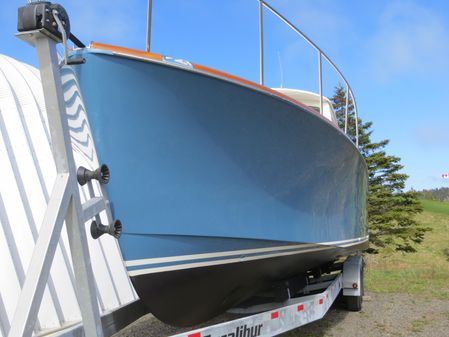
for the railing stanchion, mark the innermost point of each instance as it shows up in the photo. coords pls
(346, 108)
(150, 12)
(261, 70)
(356, 119)
(320, 79)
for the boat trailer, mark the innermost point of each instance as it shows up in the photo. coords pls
(295, 312)
(271, 319)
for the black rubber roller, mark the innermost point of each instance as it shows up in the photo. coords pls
(114, 229)
(84, 175)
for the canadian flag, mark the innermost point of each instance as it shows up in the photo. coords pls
(445, 175)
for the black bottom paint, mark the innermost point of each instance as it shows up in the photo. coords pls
(192, 296)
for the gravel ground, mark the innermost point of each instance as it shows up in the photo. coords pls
(383, 315)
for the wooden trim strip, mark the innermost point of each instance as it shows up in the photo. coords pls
(123, 50)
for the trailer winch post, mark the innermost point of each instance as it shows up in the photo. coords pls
(64, 203)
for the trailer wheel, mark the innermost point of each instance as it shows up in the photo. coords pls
(354, 303)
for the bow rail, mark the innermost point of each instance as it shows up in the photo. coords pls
(321, 55)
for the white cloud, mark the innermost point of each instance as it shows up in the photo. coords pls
(410, 39)
(321, 20)
(114, 22)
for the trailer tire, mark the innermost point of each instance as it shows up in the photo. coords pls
(354, 303)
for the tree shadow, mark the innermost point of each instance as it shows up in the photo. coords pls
(446, 253)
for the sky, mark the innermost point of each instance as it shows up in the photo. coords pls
(394, 53)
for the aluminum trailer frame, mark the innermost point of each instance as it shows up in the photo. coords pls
(64, 203)
(295, 312)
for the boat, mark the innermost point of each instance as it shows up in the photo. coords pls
(224, 186)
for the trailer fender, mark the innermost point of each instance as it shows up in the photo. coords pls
(353, 276)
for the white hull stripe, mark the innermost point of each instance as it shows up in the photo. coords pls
(345, 243)
(157, 260)
(241, 258)
(219, 262)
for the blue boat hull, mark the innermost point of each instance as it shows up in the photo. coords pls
(219, 186)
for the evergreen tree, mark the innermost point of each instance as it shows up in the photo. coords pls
(391, 210)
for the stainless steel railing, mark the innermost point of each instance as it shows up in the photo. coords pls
(321, 56)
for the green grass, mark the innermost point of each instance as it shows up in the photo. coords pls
(433, 206)
(425, 272)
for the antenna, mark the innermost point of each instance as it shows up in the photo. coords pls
(280, 69)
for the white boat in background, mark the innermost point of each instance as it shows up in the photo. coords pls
(312, 100)
(27, 173)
